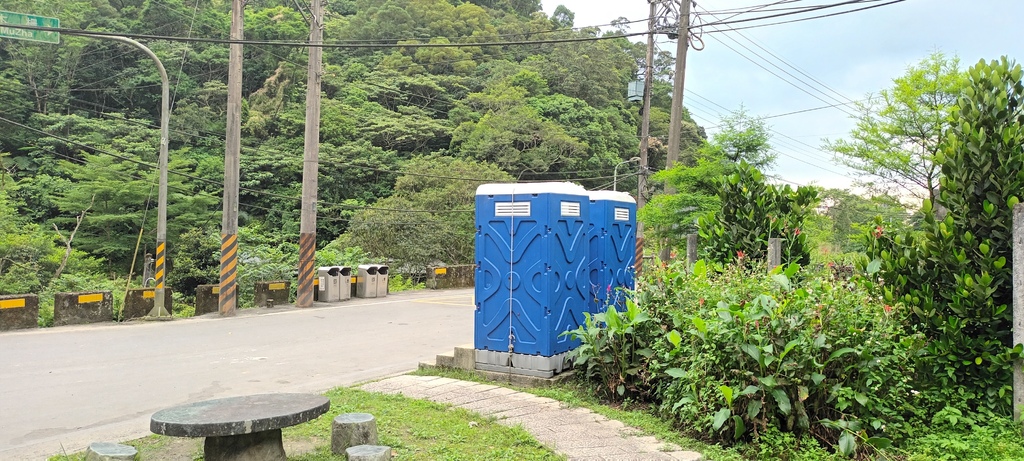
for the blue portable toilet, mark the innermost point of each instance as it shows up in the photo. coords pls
(612, 248)
(531, 276)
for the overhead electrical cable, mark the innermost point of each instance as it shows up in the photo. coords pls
(807, 19)
(841, 96)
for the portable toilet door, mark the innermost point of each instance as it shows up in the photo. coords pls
(613, 248)
(531, 267)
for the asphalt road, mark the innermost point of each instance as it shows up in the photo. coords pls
(63, 388)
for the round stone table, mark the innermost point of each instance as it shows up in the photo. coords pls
(240, 428)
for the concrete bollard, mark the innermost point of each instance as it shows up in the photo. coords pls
(138, 302)
(270, 294)
(352, 429)
(82, 308)
(774, 253)
(18, 312)
(368, 453)
(106, 451)
(207, 299)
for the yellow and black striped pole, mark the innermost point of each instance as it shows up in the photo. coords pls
(638, 263)
(307, 256)
(228, 271)
(159, 309)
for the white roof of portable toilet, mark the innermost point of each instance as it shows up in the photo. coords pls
(567, 188)
(612, 196)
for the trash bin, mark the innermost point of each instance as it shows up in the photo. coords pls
(330, 284)
(344, 282)
(382, 281)
(366, 281)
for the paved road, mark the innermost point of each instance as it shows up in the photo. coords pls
(63, 388)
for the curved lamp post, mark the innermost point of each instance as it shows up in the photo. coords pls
(615, 174)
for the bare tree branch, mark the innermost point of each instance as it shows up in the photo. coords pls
(71, 237)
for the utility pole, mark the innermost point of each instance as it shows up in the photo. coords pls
(676, 120)
(310, 162)
(160, 274)
(228, 298)
(645, 134)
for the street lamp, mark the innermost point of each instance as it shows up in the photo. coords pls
(615, 174)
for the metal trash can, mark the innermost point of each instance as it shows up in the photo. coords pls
(382, 281)
(366, 281)
(344, 282)
(330, 285)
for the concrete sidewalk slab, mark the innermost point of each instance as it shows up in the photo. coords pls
(577, 433)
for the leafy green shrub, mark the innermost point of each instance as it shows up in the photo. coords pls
(615, 349)
(753, 212)
(774, 444)
(194, 261)
(397, 283)
(957, 275)
(750, 352)
(957, 438)
(184, 306)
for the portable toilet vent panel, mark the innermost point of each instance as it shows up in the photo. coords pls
(612, 248)
(531, 277)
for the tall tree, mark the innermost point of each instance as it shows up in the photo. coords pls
(743, 138)
(429, 218)
(898, 132)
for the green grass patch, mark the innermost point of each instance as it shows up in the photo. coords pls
(414, 429)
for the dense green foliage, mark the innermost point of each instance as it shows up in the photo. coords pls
(694, 182)
(735, 355)
(957, 274)
(790, 365)
(753, 212)
(898, 132)
(405, 132)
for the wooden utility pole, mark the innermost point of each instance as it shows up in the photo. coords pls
(676, 119)
(232, 149)
(310, 163)
(645, 134)
(1018, 309)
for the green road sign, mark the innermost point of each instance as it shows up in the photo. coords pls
(20, 19)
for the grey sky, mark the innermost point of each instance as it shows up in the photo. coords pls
(854, 54)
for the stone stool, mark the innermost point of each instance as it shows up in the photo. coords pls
(106, 451)
(352, 429)
(368, 453)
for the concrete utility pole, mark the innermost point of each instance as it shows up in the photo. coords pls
(645, 135)
(674, 133)
(310, 165)
(1018, 309)
(232, 149)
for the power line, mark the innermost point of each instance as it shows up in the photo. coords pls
(794, 85)
(338, 45)
(808, 19)
(787, 63)
(784, 154)
(804, 10)
(340, 163)
(355, 45)
(197, 178)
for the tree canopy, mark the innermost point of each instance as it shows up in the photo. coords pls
(526, 111)
(899, 131)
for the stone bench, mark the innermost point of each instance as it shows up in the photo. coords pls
(247, 427)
